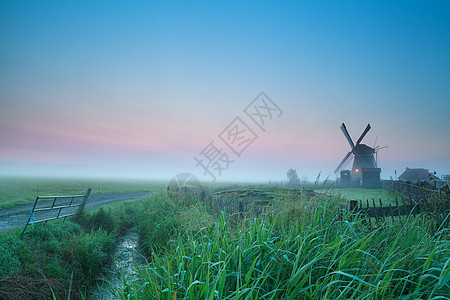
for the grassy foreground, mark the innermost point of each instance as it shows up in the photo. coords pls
(62, 260)
(299, 251)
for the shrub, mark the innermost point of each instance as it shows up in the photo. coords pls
(90, 253)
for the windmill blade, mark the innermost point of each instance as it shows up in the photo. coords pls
(379, 148)
(347, 162)
(343, 162)
(349, 139)
(363, 134)
(375, 142)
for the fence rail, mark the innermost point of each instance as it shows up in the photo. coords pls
(439, 208)
(60, 208)
(416, 191)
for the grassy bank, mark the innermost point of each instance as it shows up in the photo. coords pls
(299, 251)
(22, 190)
(61, 258)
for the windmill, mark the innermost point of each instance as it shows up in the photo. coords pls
(364, 162)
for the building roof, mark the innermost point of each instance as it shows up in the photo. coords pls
(418, 174)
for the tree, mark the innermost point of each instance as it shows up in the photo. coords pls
(293, 179)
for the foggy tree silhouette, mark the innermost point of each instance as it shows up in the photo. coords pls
(293, 179)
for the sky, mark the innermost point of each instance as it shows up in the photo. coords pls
(149, 89)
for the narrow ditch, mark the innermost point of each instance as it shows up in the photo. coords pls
(127, 255)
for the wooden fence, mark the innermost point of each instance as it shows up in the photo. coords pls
(375, 211)
(228, 207)
(438, 208)
(237, 207)
(48, 208)
(417, 192)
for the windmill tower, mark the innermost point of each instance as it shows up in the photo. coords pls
(364, 171)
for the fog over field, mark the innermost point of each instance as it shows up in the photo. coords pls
(224, 90)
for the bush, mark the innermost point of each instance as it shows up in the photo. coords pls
(90, 253)
(116, 218)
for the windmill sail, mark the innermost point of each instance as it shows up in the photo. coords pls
(343, 161)
(349, 139)
(363, 134)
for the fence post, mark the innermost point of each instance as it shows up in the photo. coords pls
(375, 211)
(390, 209)
(382, 211)
(368, 209)
(398, 210)
(83, 202)
(353, 208)
(353, 205)
(241, 209)
(30, 217)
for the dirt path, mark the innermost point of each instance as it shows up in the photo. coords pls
(17, 216)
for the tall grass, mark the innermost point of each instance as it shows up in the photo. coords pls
(161, 217)
(59, 258)
(301, 250)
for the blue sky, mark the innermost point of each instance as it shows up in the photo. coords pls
(119, 89)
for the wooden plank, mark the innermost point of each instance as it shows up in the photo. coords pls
(367, 206)
(57, 207)
(375, 210)
(382, 211)
(398, 210)
(58, 197)
(54, 218)
(390, 209)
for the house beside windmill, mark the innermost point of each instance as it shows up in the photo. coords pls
(416, 175)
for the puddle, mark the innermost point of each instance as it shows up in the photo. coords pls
(124, 260)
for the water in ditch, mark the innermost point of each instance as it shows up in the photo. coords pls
(126, 257)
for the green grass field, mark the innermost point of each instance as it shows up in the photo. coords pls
(298, 250)
(22, 190)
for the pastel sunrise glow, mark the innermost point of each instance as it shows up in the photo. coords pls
(138, 89)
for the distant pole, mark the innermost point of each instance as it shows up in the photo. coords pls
(395, 177)
(83, 202)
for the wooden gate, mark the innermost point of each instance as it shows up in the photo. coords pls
(48, 208)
